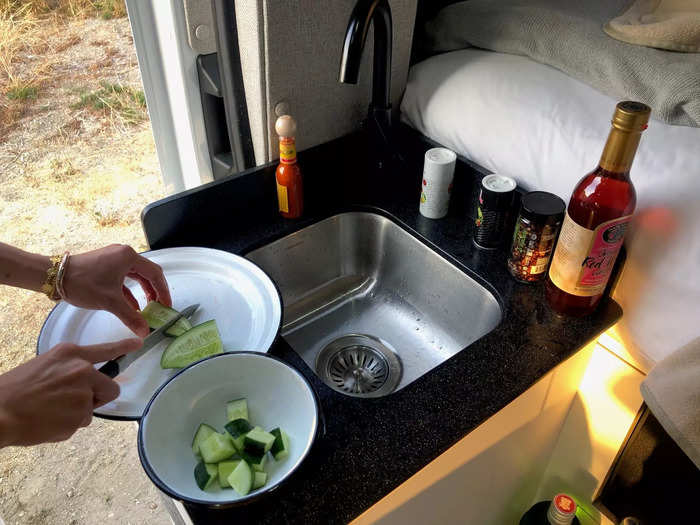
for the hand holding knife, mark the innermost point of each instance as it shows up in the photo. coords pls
(116, 366)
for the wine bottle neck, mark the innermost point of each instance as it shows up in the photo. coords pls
(619, 150)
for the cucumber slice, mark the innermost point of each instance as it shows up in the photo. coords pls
(237, 409)
(237, 429)
(241, 479)
(197, 343)
(203, 432)
(257, 441)
(216, 447)
(259, 479)
(280, 448)
(225, 469)
(205, 474)
(257, 463)
(156, 315)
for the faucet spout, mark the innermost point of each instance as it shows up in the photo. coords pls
(364, 12)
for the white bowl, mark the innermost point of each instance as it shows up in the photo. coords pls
(278, 396)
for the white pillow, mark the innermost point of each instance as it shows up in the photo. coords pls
(530, 121)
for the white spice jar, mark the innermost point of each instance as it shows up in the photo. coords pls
(436, 186)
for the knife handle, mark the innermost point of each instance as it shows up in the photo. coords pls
(110, 368)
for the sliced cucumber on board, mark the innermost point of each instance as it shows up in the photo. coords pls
(205, 474)
(203, 432)
(197, 343)
(237, 409)
(156, 315)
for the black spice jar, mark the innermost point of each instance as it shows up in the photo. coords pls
(493, 209)
(536, 230)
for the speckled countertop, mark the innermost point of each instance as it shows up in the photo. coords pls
(339, 479)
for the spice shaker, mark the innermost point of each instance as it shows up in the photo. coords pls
(495, 202)
(436, 186)
(539, 221)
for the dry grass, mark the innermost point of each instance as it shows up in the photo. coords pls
(31, 34)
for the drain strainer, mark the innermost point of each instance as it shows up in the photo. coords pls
(359, 365)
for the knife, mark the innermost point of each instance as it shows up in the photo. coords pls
(116, 366)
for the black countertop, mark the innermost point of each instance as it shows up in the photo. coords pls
(340, 479)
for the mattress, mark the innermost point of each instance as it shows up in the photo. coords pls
(518, 117)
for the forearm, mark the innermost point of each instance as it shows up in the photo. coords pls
(22, 269)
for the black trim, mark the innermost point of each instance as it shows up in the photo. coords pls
(231, 88)
(274, 340)
(245, 499)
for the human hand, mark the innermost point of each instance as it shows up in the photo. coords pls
(95, 280)
(49, 397)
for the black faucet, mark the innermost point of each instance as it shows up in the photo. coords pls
(364, 12)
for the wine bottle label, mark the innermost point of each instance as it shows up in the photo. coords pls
(288, 150)
(583, 258)
(282, 199)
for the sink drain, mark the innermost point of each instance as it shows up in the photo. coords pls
(359, 365)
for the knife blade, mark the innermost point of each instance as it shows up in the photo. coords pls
(116, 366)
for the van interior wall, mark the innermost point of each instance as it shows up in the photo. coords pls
(561, 435)
(290, 55)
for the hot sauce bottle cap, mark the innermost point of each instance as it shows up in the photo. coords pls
(286, 126)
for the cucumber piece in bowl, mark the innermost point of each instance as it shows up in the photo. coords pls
(203, 432)
(205, 474)
(197, 343)
(156, 315)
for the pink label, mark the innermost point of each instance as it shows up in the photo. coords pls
(606, 243)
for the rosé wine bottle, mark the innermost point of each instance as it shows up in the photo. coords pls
(597, 218)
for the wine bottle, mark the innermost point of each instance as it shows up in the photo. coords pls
(597, 218)
(560, 511)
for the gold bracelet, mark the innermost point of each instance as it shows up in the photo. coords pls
(49, 286)
(62, 267)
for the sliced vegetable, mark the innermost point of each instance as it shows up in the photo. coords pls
(216, 447)
(225, 469)
(205, 474)
(257, 463)
(237, 429)
(203, 432)
(259, 479)
(241, 479)
(197, 343)
(237, 409)
(257, 441)
(156, 315)
(280, 448)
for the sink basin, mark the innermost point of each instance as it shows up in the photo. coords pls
(368, 306)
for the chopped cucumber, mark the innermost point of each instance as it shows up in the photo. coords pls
(257, 463)
(197, 343)
(280, 448)
(237, 409)
(156, 315)
(216, 447)
(257, 441)
(237, 429)
(205, 474)
(241, 479)
(203, 432)
(259, 479)
(225, 469)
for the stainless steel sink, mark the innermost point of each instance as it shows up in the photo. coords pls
(368, 306)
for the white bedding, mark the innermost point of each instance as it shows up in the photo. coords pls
(530, 121)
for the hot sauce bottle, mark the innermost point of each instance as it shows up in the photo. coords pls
(597, 218)
(290, 192)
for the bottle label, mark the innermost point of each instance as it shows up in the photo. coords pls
(584, 258)
(288, 150)
(282, 199)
